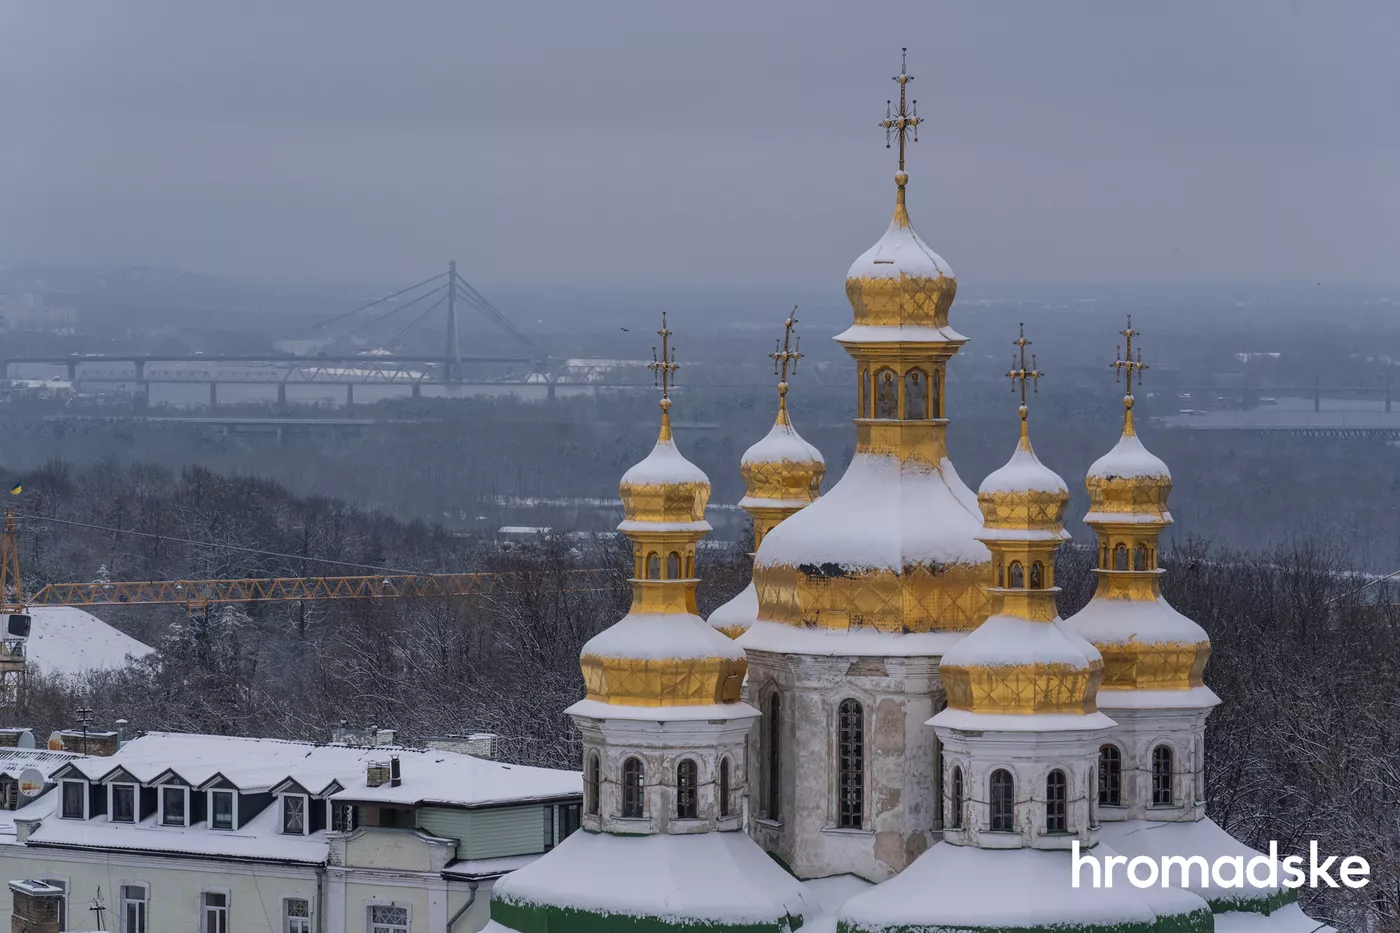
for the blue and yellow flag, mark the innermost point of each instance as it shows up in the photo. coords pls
(16, 489)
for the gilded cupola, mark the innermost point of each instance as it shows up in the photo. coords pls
(1022, 660)
(893, 546)
(1146, 644)
(662, 653)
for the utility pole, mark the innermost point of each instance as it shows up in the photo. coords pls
(454, 352)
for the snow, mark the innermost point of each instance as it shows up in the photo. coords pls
(475, 869)
(902, 333)
(1024, 473)
(1004, 641)
(658, 636)
(1127, 621)
(665, 464)
(1194, 698)
(629, 525)
(1203, 838)
(965, 721)
(778, 638)
(883, 515)
(836, 890)
(1287, 919)
(782, 444)
(67, 641)
(709, 712)
(1129, 460)
(716, 877)
(15, 761)
(740, 612)
(1127, 518)
(956, 887)
(899, 253)
(453, 779)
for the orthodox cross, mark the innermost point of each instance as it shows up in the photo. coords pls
(1125, 366)
(1019, 373)
(904, 121)
(788, 354)
(664, 367)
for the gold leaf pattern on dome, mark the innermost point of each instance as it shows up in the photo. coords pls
(952, 598)
(1023, 688)
(1136, 666)
(1032, 510)
(905, 301)
(663, 682)
(665, 502)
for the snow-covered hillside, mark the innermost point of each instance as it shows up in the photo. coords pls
(66, 640)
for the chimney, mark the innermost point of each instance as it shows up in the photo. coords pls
(377, 774)
(17, 738)
(395, 779)
(36, 906)
(100, 744)
(386, 737)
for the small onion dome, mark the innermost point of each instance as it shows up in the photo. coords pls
(735, 617)
(782, 470)
(1011, 665)
(1024, 496)
(665, 489)
(662, 659)
(900, 281)
(1129, 483)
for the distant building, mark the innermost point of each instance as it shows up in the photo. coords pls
(238, 835)
(28, 312)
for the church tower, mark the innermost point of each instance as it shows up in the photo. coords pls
(782, 476)
(862, 591)
(664, 730)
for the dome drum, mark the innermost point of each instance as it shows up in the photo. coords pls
(1158, 666)
(900, 382)
(1028, 688)
(920, 598)
(662, 681)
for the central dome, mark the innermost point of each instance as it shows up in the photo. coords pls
(894, 545)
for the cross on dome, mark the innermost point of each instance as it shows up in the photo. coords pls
(1126, 366)
(664, 367)
(904, 121)
(1020, 374)
(787, 354)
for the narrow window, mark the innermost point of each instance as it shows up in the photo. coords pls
(1001, 575)
(1139, 558)
(74, 800)
(133, 909)
(653, 566)
(1037, 575)
(690, 566)
(1110, 776)
(955, 815)
(864, 394)
(591, 788)
(548, 827)
(687, 794)
(1056, 804)
(774, 754)
(1120, 557)
(1018, 575)
(915, 395)
(221, 809)
(343, 817)
(673, 566)
(570, 815)
(1103, 557)
(298, 915)
(1003, 801)
(215, 913)
(886, 394)
(384, 918)
(1161, 776)
(850, 799)
(123, 809)
(724, 787)
(173, 802)
(294, 814)
(936, 404)
(633, 782)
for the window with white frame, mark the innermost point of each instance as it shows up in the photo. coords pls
(298, 915)
(133, 908)
(174, 806)
(121, 803)
(386, 918)
(74, 800)
(294, 814)
(214, 912)
(342, 817)
(62, 885)
(221, 809)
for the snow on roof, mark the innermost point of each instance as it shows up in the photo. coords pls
(661, 636)
(1203, 838)
(778, 638)
(703, 878)
(835, 890)
(15, 761)
(781, 444)
(1129, 459)
(665, 464)
(899, 253)
(966, 721)
(960, 887)
(1287, 919)
(902, 333)
(883, 515)
(1004, 641)
(1194, 698)
(739, 612)
(454, 780)
(67, 641)
(1128, 621)
(1023, 473)
(710, 712)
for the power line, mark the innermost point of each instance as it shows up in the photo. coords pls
(340, 317)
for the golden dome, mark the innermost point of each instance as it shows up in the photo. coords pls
(1024, 495)
(782, 471)
(664, 488)
(900, 281)
(1129, 483)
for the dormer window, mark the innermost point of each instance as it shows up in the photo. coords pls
(174, 806)
(294, 814)
(221, 804)
(121, 807)
(74, 800)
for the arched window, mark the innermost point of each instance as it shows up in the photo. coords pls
(1139, 558)
(1056, 803)
(1018, 575)
(633, 784)
(1120, 557)
(592, 783)
(673, 566)
(850, 793)
(1037, 575)
(1161, 776)
(955, 814)
(653, 566)
(886, 394)
(1001, 575)
(774, 755)
(1003, 801)
(687, 792)
(724, 787)
(916, 394)
(1110, 776)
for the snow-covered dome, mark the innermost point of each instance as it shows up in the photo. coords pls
(1129, 483)
(1024, 495)
(665, 487)
(782, 470)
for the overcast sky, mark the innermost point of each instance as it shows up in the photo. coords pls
(735, 143)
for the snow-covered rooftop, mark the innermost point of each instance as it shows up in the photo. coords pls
(660, 636)
(66, 640)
